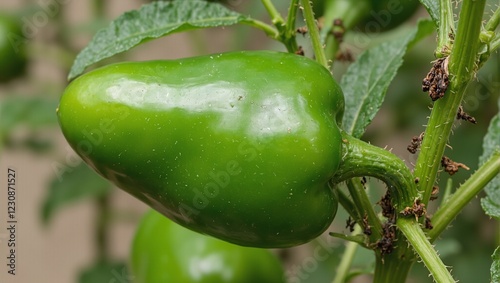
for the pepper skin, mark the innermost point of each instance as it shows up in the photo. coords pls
(163, 251)
(240, 146)
(12, 48)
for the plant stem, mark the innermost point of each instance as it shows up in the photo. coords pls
(414, 234)
(452, 207)
(350, 13)
(394, 267)
(365, 208)
(276, 18)
(494, 21)
(292, 16)
(269, 30)
(285, 33)
(495, 43)
(348, 205)
(291, 19)
(312, 27)
(347, 257)
(362, 159)
(461, 69)
(446, 29)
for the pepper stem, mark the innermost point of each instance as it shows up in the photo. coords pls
(362, 159)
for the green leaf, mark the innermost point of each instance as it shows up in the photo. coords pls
(495, 266)
(105, 272)
(70, 185)
(366, 81)
(359, 239)
(33, 112)
(433, 8)
(151, 21)
(491, 143)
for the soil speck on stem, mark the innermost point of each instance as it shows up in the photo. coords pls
(462, 115)
(436, 82)
(415, 143)
(450, 166)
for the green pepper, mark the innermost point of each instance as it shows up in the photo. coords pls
(12, 48)
(242, 146)
(163, 251)
(237, 145)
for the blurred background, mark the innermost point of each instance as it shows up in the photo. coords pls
(74, 227)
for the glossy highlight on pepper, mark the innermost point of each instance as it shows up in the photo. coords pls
(240, 145)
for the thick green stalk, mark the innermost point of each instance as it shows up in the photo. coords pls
(394, 267)
(362, 159)
(446, 29)
(312, 27)
(414, 234)
(461, 69)
(452, 207)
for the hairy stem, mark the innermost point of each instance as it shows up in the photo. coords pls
(312, 27)
(414, 234)
(362, 159)
(461, 69)
(456, 202)
(494, 21)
